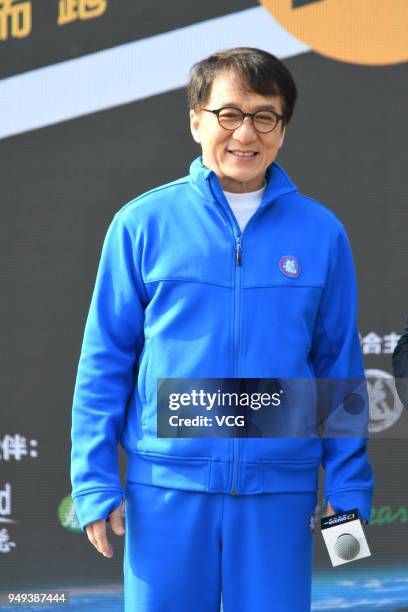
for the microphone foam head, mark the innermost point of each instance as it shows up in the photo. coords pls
(347, 547)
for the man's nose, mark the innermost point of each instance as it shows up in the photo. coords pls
(246, 131)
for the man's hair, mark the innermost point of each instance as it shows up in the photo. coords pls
(258, 70)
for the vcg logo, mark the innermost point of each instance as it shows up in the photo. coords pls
(370, 32)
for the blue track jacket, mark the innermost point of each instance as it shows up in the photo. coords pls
(180, 292)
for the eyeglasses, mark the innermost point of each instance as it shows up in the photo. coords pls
(230, 118)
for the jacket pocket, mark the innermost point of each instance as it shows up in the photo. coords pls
(144, 371)
(148, 392)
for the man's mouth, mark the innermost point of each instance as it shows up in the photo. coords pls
(238, 153)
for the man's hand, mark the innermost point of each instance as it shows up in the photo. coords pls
(330, 512)
(96, 531)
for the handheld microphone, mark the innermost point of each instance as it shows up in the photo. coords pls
(345, 537)
(347, 547)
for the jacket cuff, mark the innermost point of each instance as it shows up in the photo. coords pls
(342, 501)
(95, 505)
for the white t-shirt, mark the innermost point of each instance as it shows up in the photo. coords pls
(244, 204)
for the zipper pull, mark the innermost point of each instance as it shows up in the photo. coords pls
(238, 251)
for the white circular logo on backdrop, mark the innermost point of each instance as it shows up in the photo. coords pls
(385, 405)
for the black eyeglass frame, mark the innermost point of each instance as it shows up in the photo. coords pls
(252, 115)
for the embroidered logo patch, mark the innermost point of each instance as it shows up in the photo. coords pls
(289, 266)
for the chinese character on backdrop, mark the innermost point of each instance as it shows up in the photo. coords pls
(71, 10)
(15, 19)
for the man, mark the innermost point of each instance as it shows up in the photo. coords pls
(227, 272)
(400, 366)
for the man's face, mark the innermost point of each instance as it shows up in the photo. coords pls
(236, 174)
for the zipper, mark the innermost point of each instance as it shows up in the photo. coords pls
(237, 323)
(238, 256)
(238, 237)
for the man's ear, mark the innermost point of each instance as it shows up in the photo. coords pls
(282, 136)
(194, 125)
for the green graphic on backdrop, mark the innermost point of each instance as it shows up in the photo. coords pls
(385, 515)
(66, 514)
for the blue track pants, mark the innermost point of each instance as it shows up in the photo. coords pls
(182, 548)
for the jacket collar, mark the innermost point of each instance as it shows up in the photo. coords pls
(206, 182)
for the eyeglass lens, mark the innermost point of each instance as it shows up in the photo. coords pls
(231, 118)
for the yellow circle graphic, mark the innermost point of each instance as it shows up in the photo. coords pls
(371, 32)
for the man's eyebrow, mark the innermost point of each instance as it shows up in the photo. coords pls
(257, 108)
